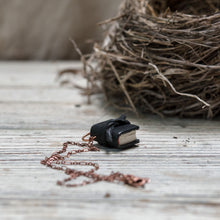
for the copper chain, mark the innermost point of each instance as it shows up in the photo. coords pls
(58, 162)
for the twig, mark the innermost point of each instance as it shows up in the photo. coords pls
(173, 88)
(122, 85)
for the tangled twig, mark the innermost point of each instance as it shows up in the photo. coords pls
(181, 43)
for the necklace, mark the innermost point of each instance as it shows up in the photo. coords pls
(57, 161)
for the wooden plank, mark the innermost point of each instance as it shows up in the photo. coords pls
(184, 171)
(32, 74)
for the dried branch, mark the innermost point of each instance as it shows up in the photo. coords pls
(179, 40)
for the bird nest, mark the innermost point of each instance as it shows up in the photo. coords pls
(162, 56)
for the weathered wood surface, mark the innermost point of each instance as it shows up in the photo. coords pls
(37, 115)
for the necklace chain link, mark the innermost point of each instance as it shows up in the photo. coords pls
(58, 162)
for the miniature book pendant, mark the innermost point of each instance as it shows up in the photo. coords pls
(117, 133)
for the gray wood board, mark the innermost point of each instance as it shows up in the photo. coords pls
(37, 115)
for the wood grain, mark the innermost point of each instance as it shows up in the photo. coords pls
(181, 156)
